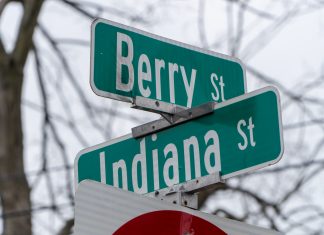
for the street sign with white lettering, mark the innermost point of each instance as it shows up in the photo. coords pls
(240, 135)
(127, 62)
(105, 210)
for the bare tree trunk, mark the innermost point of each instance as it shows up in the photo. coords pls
(13, 183)
(14, 189)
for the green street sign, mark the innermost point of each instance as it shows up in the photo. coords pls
(240, 135)
(127, 62)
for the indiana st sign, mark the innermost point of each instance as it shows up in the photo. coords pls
(127, 62)
(103, 209)
(242, 134)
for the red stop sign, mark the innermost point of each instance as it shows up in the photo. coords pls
(167, 222)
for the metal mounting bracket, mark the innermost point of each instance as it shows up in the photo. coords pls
(171, 114)
(185, 194)
(179, 198)
(156, 106)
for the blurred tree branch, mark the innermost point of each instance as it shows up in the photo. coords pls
(26, 30)
(15, 201)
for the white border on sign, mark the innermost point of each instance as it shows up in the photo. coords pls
(153, 36)
(254, 93)
(218, 106)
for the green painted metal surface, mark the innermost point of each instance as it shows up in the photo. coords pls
(241, 135)
(158, 68)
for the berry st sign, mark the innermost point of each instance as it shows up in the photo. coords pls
(240, 135)
(127, 62)
(102, 210)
